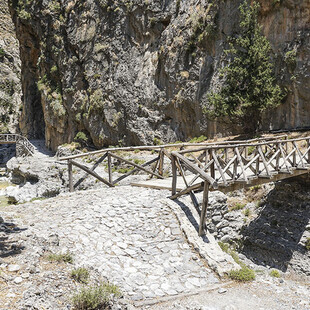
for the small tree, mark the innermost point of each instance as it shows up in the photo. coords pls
(248, 87)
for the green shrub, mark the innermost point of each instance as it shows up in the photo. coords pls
(237, 206)
(244, 274)
(95, 297)
(307, 244)
(247, 212)
(81, 137)
(157, 141)
(275, 273)
(66, 258)
(198, 139)
(224, 246)
(2, 52)
(54, 69)
(80, 275)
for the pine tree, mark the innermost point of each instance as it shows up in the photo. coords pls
(248, 87)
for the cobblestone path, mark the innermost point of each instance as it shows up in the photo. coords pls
(124, 233)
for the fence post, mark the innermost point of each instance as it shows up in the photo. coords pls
(204, 208)
(71, 189)
(174, 175)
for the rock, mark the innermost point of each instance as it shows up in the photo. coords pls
(1, 220)
(222, 290)
(18, 280)
(13, 268)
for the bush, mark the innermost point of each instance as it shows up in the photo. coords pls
(2, 52)
(66, 258)
(237, 206)
(275, 273)
(95, 297)
(81, 138)
(198, 139)
(244, 274)
(80, 275)
(307, 244)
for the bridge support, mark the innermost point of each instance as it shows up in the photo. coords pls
(204, 208)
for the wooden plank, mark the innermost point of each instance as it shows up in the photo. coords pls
(219, 168)
(193, 197)
(187, 190)
(135, 170)
(204, 208)
(260, 151)
(241, 164)
(93, 173)
(135, 165)
(195, 169)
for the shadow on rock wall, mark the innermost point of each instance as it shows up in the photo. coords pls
(274, 237)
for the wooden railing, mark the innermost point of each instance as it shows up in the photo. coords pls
(155, 167)
(229, 167)
(23, 146)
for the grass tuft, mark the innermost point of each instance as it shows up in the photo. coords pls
(81, 275)
(95, 297)
(244, 274)
(275, 273)
(66, 258)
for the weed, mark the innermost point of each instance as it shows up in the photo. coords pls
(138, 161)
(198, 139)
(247, 212)
(275, 273)
(95, 297)
(237, 206)
(157, 141)
(251, 149)
(307, 244)
(224, 246)
(242, 275)
(80, 275)
(66, 258)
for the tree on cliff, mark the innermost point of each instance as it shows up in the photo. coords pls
(248, 84)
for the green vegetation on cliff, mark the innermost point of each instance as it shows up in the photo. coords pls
(248, 87)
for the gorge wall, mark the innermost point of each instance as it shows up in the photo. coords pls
(10, 83)
(130, 71)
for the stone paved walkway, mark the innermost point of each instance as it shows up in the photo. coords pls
(124, 233)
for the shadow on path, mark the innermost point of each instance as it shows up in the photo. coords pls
(188, 212)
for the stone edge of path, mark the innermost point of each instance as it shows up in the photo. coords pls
(217, 260)
(164, 299)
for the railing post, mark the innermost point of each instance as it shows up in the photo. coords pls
(110, 168)
(71, 189)
(308, 144)
(212, 167)
(204, 208)
(161, 162)
(174, 175)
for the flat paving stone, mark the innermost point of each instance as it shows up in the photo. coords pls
(124, 233)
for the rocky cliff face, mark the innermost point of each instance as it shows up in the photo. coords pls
(10, 84)
(127, 71)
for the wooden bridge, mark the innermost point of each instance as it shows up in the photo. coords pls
(224, 166)
(23, 146)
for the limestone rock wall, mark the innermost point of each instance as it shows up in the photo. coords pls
(10, 83)
(129, 71)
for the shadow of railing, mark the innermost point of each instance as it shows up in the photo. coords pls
(9, 247)
(273, 237)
